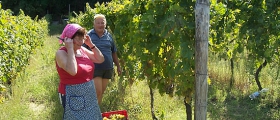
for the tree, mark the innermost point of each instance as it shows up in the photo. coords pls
(40, 8)
(247, 27)
(155, 41)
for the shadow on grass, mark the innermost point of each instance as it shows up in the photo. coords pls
(241, 108)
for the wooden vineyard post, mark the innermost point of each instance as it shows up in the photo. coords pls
(202, 11)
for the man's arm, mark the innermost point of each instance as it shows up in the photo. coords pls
(117, 63)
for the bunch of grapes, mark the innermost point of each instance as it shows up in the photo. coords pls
(115, 117)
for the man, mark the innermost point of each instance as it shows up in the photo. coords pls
(103, 40)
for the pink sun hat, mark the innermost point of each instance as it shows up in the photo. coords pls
(69, 31)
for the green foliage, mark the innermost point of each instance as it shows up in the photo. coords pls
(56, 8)
(48, 18)
(236, 104)
(35, 92)
(251, 25)
(35, 89)
(28, 103)
(155, 40)
(19, 36)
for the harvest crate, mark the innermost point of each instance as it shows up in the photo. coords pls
(121, 112)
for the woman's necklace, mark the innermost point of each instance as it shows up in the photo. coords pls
(78, 53)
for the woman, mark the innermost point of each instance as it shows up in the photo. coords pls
(75, 68)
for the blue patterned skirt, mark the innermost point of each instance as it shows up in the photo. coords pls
(81, 102)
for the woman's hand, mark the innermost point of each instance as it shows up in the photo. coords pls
(88, 41)
(68, 43)
(67, 60)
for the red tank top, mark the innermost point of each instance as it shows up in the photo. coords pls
(84, 72)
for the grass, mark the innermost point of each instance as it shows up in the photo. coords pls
(35, 95)
(236, 104)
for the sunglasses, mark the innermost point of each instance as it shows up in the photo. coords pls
(60, 39)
